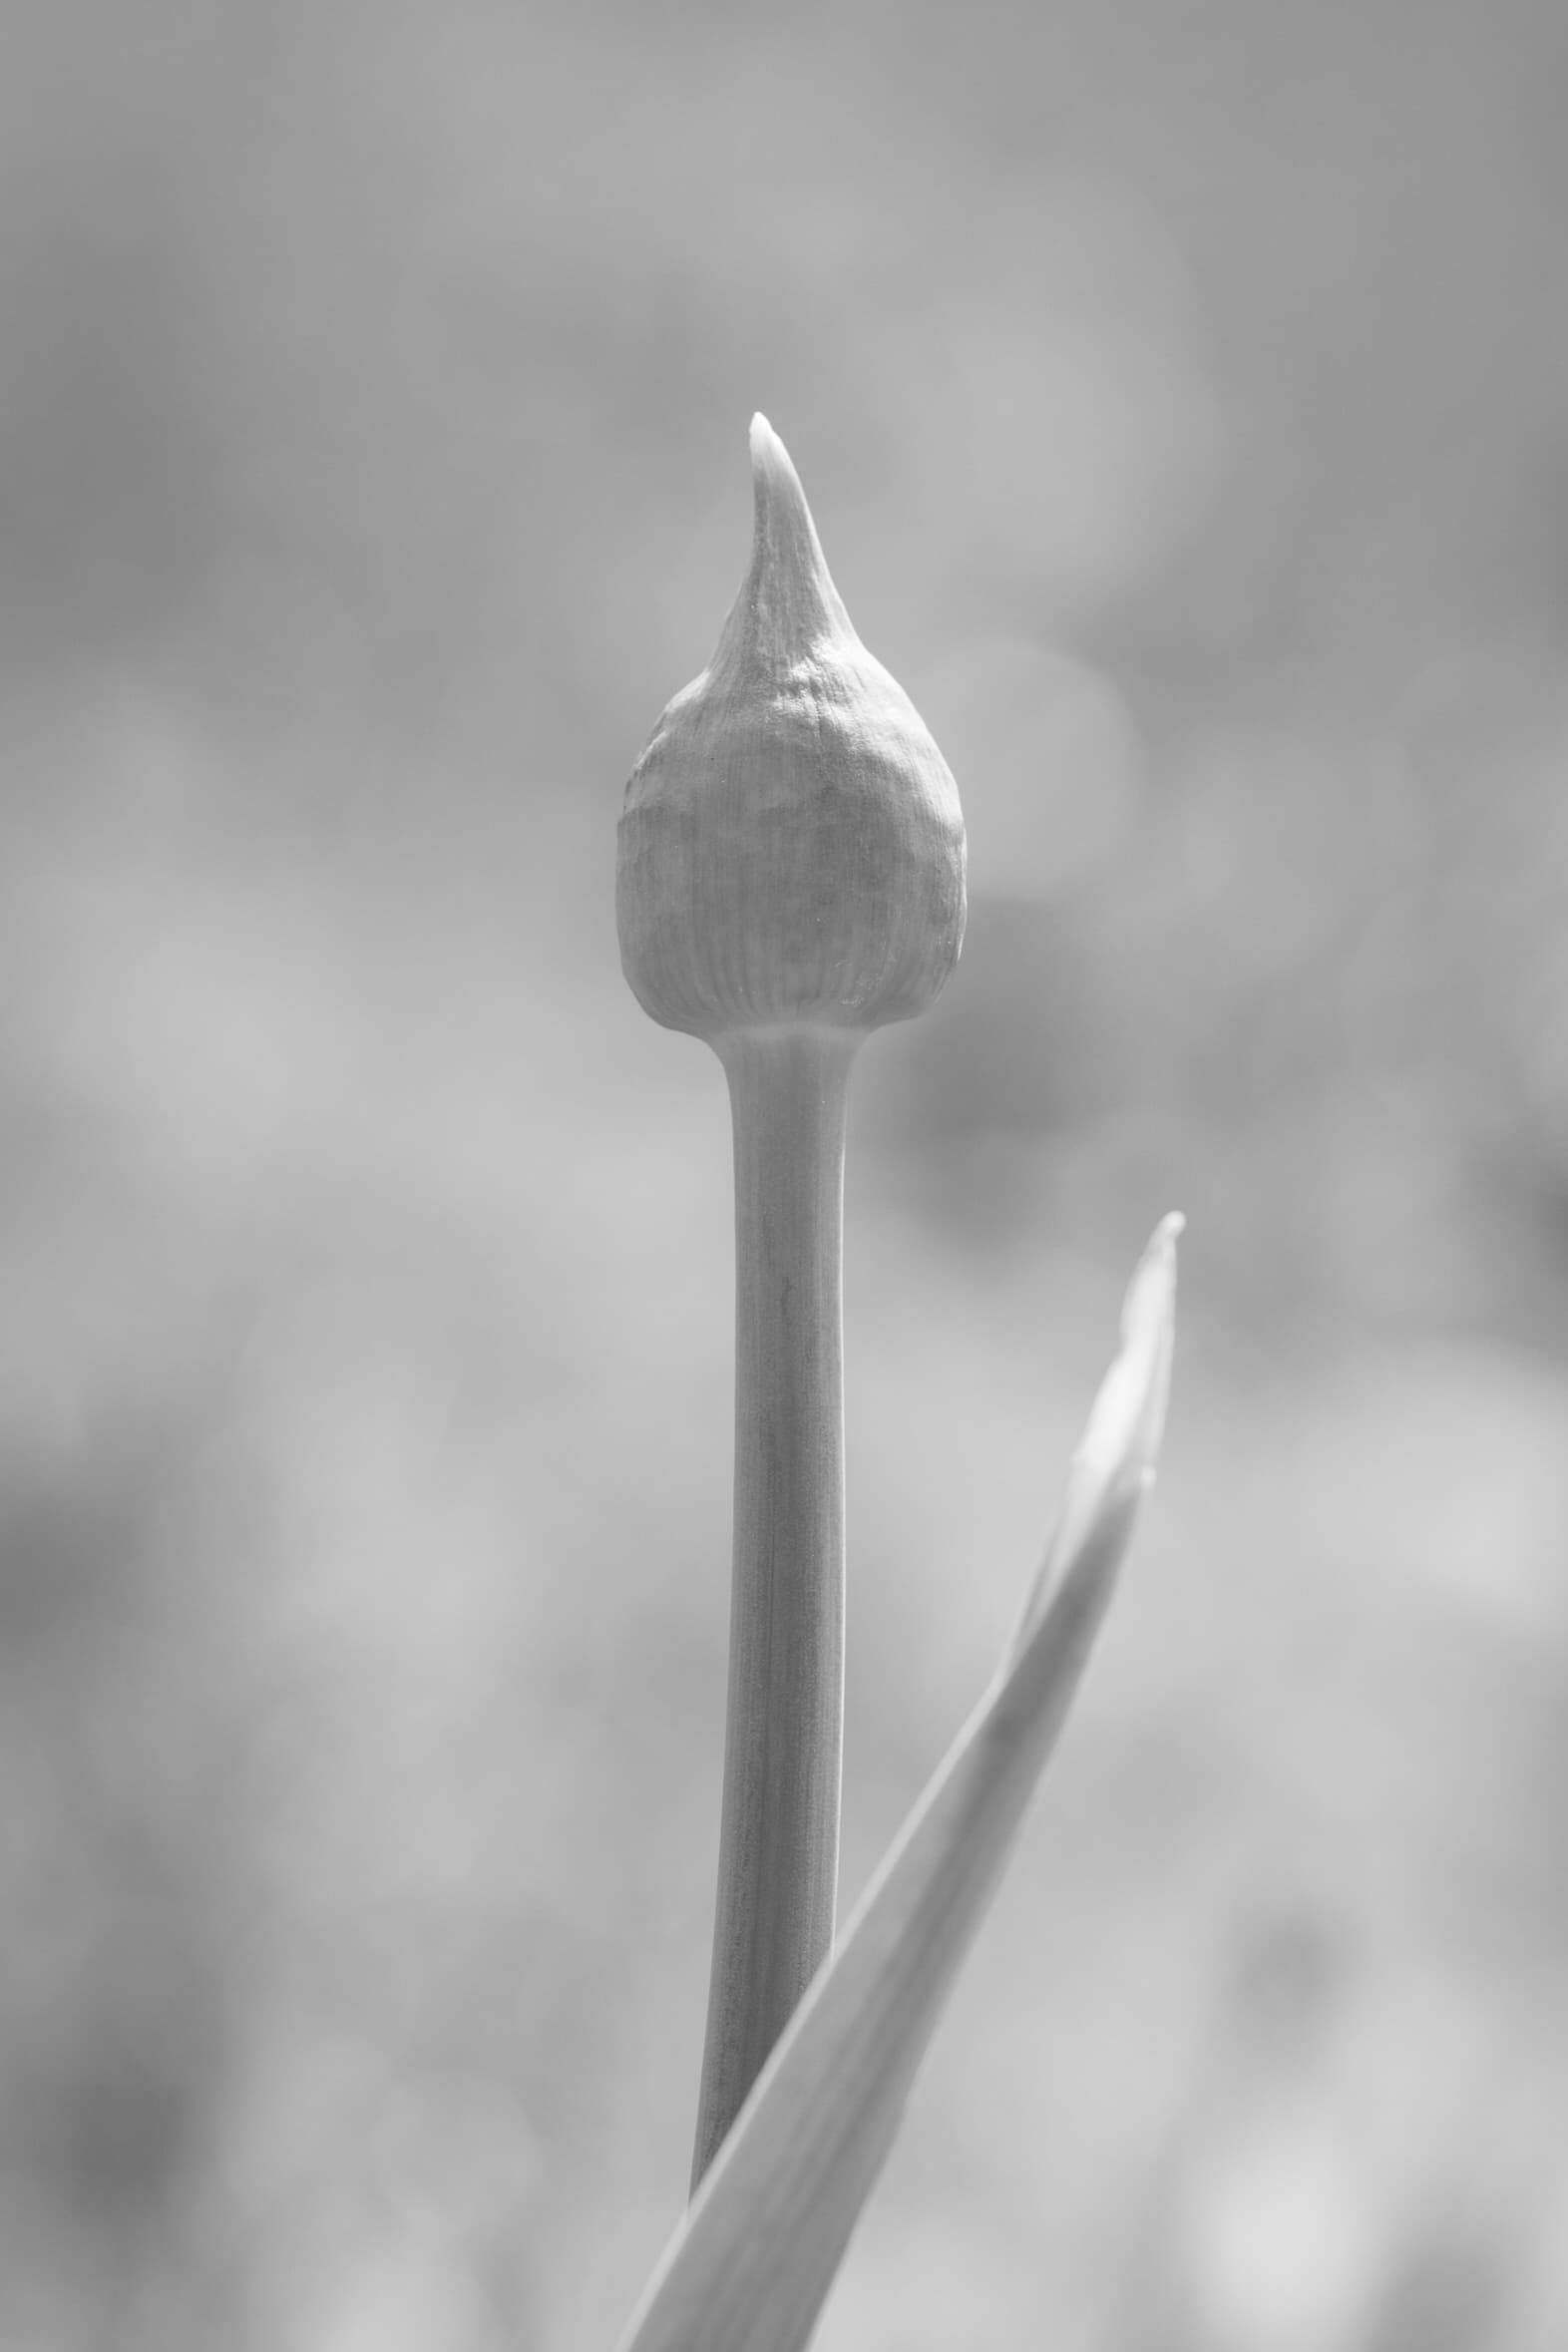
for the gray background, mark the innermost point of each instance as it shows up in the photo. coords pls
(1181, 392)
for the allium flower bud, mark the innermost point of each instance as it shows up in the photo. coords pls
(790, 875)
(791, 851)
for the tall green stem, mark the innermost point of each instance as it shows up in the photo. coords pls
(778, 1847)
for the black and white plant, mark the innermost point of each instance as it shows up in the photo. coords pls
(791, 875)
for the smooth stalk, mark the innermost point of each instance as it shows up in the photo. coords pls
(779, 1836)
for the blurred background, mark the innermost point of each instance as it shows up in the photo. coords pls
(1181, 391)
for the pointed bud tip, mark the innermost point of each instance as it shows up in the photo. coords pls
(781, 501)
(769, 457)
(788, 604)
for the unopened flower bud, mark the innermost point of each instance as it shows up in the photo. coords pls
(791, 851)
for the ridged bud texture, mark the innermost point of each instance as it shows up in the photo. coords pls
(792, 848)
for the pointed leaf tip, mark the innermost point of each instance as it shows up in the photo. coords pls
(1153, 1282)
(1128, 1416)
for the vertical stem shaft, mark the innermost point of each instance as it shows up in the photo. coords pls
(778, 1845)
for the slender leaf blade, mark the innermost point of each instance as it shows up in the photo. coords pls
(751, 2261)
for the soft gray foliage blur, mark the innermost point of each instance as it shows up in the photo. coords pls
(1181, 395)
